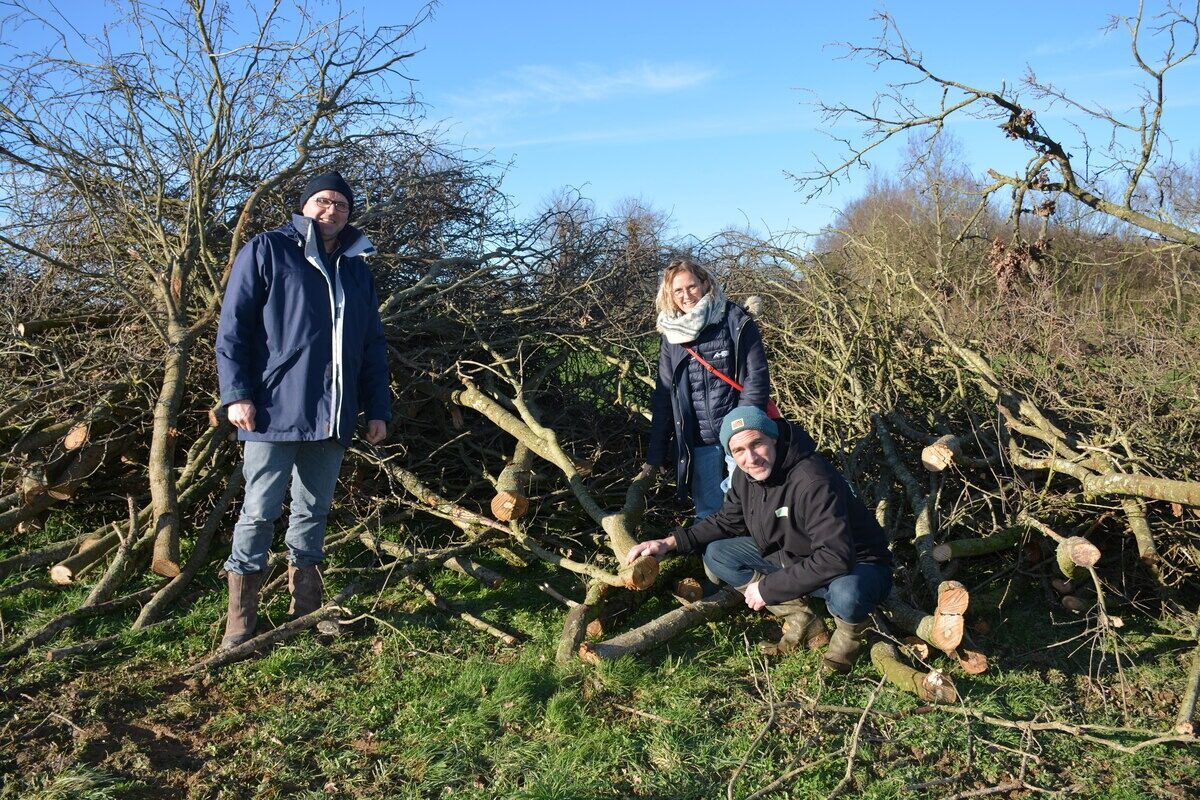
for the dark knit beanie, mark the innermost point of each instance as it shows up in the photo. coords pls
(328, 180)
(746, 418)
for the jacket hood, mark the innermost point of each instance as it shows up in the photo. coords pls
(793, 445)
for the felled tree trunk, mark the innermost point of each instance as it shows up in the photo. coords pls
(158, 605)
(943, 628)
(164, 497)
(931, 687)
(465, 566)
(576, 625)
(510, 501)
(17, 515)
(968, 548)
(662, 629)
(64, 572)
(1185, 720)
(32, 327)
(924, 529)
(1071, 552)
(619, 525)
(86, 462)
(100, 420)
(44, 555)
(941, 454)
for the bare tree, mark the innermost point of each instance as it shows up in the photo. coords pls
(150, 161)
(1127, 178)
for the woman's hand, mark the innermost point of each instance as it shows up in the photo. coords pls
(648, 470)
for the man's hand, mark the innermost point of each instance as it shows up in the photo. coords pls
(376, 431)
(654, 547)
(241, 414)
(753, 598)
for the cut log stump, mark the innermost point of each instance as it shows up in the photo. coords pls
(931, 687)
(947, 631)
(941, 454)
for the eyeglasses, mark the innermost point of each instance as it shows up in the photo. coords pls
(338, 205)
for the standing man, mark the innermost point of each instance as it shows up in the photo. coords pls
(300, 353)
(809, 535)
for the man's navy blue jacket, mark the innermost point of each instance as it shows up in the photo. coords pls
(691, 403)
(303, 341)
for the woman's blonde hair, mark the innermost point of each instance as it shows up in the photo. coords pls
(665, 301)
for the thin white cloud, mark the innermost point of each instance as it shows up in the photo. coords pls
(1065, 46)
(540, 85)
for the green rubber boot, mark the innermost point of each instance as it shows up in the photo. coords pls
(848, 639)
(801, 628)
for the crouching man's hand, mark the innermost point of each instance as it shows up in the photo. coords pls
(754, 598)
(654, 547)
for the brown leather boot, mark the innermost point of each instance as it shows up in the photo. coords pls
(801, 628)
(243, 609)
(847, 640)
(306, 587)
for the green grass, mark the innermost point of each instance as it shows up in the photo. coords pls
(414, 704)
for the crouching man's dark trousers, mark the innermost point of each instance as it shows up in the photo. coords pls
(849, 597)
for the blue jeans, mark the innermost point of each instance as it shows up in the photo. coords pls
(708, 473)
(848, 597)
(312, 469)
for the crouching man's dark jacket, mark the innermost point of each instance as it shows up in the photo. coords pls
(803, 516)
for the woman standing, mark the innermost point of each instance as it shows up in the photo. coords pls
(698, 324)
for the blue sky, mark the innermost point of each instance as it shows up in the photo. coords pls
(699, 109)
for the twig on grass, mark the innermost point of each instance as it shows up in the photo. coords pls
(640, 713)
(1088, 732)
(766, 692)
(854, 739)
(1011, 786)
(467, 617)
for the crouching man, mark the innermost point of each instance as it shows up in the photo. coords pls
(809, 535)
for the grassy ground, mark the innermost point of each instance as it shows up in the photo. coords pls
(413, 703)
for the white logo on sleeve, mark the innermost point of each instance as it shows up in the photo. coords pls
(781, 512)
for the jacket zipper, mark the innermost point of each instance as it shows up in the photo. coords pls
(336, 303)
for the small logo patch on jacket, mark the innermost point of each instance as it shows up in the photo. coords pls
(781, 512)
(722, 354)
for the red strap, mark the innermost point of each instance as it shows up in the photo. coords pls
(714, 370)
(772, 409)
